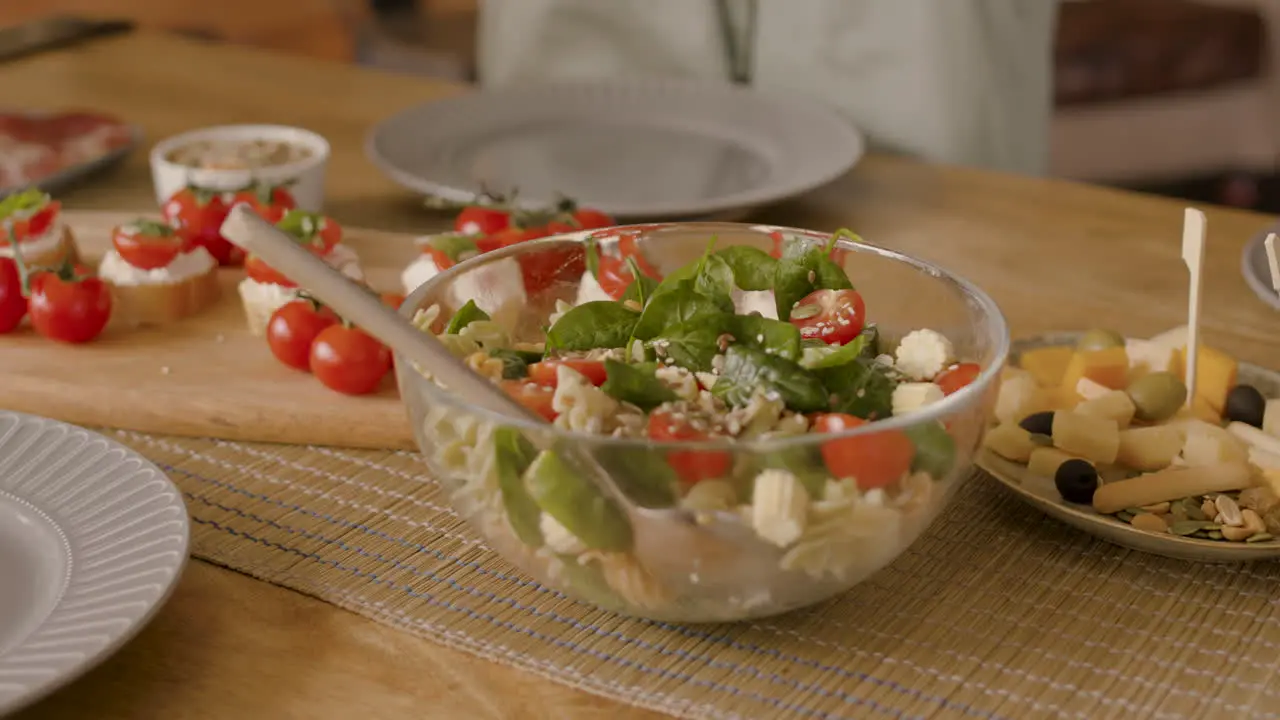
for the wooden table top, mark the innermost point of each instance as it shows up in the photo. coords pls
(1054, 255)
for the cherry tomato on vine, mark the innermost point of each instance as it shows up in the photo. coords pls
(590, 219)
(293, 329)
(832, 316)
(349, 360)
(197, 214)
(13, 303)
(269, 201)
(69, 304)
(873, 461)
(480, 220)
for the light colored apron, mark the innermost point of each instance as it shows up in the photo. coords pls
(956, 81)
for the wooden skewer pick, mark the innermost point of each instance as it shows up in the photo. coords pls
(1193, 231)
(1272, 262)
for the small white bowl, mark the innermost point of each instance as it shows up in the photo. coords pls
(305, 177)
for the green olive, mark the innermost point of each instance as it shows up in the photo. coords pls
(1099, 340)
(1157, 396)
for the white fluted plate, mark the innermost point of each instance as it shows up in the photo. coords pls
(93, 538)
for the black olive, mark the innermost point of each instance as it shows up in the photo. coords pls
(1245, 404)
(1040, 423)
(1076, 481)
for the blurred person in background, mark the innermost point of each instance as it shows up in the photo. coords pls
(965, 82)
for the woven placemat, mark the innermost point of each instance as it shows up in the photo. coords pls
(998, 612)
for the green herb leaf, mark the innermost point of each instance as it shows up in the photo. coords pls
(515, 364)
(513, 454)
(646, 478)
(597, 324)
(935, 449)
(861, 388)
(454, 245)
(636, 384)
(301, 224)
(679, 304)
(871, 347)
(693, 345)
(153, 228)
(753, 268)
(747, 370)
(576, 503)
(772, 336)
(467, 314)
(837, 356)
(797, 275)
(27, 200)
(641, 288)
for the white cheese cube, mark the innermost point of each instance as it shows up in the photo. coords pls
(1090, 390)
(1149, 356)
(589, 290)
(779, 507)
(913, 396)
(746, 302)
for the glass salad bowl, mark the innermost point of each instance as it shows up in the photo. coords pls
(738, 480)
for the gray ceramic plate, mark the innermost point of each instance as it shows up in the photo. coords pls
(66, 177)
(1253, 263)
(1041, 493)
(638, 149)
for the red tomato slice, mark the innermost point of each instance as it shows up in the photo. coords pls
(957, 377)
(480, 220)
(873, 461)
(691, 465)
(34, 225)
(832, 316)
(544, 373)
(349, 360)
(293, 329)
(533, 396)
(13, 304)
(148, 245)
(261, 272)
(316, 231)
(269, 201)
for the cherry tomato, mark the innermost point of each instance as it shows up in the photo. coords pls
(13, 304)
(544, 373)
(269, 201)
(832, 316)
(392, 300)
(69, 305)
(542, 269)
(293, 328)
(258, 270)
(316, 231)
(957, 376)
(589, 219)
(148, 245)
(36, 224)
(691, 465)
(480, 220)
(533, 396)
(873, 461)
(349, 360)
(614, 276)
(198, 214)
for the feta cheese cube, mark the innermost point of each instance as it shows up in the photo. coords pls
(915, 395)
(779, 507)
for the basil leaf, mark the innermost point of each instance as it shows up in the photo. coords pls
(693, 345)
(679, 304)
(935, 449)
(454, 245)
(753, 268)
(747, 370)
(30, 199)
(596, 324)
(578, 504)
(646, 478)
(836, 356)
(636, 384)
(467, 314)
(515, 365)
(715, 280)
(772, 336)
(513, 454)
(860, 388)
(829, 275)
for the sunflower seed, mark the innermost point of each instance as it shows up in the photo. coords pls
(1159, 508)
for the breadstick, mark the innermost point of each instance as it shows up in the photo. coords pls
(1171, 484)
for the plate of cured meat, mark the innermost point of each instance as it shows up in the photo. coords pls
(52, 150)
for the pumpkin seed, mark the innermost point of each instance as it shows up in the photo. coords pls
(1189, 527)
(1124, 516)
(1178, 512)
(1260, 537)
(1194, 512)
(1134, 510)
(1215, 534)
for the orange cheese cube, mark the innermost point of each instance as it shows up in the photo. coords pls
(1047, 364)
(1108, 367)
(1215, 374)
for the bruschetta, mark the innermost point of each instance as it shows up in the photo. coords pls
(156, 275)
(34, 220)
(264, 289)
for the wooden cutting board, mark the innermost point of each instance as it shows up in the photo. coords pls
(205, 376)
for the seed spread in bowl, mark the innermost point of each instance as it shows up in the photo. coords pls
(1108, 420)
(237, 154)
(737, 346)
